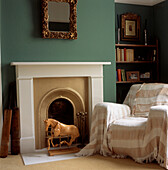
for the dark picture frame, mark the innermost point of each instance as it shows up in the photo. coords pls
(130, 27)
(132, 76)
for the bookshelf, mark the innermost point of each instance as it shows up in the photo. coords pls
(126, 62)
(135, 63)
(136, 45)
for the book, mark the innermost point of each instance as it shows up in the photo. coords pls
(123, 77)
(125, 58)
(127, 54)
(131, 54)
(119, 74)
(122, 54)
(116, 76)
(118, 54)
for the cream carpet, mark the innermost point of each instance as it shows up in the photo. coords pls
(97, 162)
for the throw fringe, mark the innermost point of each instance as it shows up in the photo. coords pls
(119, 156)
(151, 157)
(86, 152)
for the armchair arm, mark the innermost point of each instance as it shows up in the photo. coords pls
(158, 124)
(159, 109)
(117, 111)
(103, 115)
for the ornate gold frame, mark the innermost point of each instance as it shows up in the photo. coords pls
(134, 19)
(72, 34)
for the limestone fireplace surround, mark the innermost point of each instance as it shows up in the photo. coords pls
(48, 90)
(27, 72)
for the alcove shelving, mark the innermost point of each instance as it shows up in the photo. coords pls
(135, 63)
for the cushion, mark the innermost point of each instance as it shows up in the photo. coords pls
(132, 122)
(151, 94)
(130, 98)
(141, 97)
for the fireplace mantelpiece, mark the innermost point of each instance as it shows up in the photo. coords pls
(27, 71)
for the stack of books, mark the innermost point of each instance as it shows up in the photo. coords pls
(124, 54)
(120, 75)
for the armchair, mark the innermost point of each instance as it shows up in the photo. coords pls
(136, 128)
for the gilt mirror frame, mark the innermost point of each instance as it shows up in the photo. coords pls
(46, 33)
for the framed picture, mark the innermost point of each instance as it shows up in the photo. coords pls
(132, 75)
(130, 27)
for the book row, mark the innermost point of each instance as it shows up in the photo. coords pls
(124, 54)
(121, 75)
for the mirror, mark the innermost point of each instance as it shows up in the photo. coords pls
(58, 16)
(59, 19)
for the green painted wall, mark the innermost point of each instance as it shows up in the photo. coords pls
(145, 12)
(21, 39)
(1, 115)
(161, 31)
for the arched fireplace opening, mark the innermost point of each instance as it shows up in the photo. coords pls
(61, 104)
(62, 110)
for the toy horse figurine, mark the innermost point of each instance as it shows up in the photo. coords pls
(60, 129)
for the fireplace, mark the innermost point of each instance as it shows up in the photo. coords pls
(44, 88)
(60, 98)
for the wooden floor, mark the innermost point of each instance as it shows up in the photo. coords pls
(96, 162)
